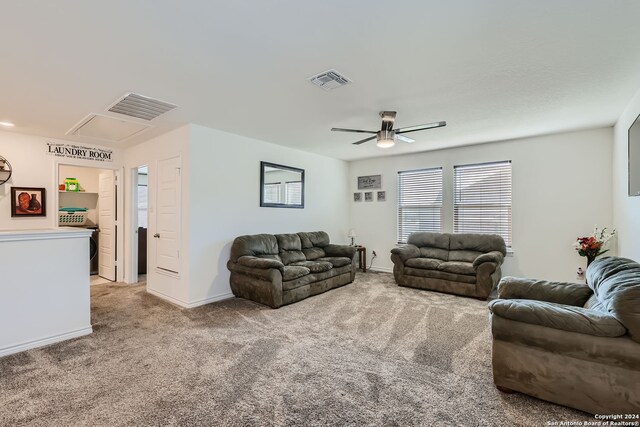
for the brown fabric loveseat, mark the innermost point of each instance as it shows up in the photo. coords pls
(569, 343)
(280, 269)
(462, 264)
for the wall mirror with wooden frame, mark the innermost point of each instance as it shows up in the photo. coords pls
(281, 186)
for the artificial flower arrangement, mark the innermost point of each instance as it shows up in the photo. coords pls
(593, 246)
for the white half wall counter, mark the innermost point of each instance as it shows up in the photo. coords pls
(44, 287)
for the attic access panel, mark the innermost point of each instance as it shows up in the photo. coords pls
(107, 128)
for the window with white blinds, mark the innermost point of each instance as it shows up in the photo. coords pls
(419, 201)
(272, 193)
(293, 192)
(482, 199)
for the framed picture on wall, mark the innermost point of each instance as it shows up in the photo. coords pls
(382, 196)
(368, 196)
(369, 182)
(28, 202)
(357, 197)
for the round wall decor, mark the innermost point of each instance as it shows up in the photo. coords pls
(5, 170)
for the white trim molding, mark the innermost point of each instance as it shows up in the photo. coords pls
(44, 234)
(190, 304)
(45, 341)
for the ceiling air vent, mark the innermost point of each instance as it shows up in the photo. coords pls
(329, 80)
(139, 106)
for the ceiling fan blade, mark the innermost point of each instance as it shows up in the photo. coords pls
(421, 127)
(404, 138)
(352, 130)
(364, 140)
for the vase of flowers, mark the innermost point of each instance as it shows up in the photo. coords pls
(594, 245)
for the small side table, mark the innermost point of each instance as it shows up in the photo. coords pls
(362, 258)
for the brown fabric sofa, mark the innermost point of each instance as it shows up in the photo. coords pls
(572, 344)
(461, 264)
(280, 269)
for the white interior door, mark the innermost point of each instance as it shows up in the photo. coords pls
(167, 234)
(107, 224)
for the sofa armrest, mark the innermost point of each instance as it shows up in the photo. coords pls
(406, 252)
(340, 250)
(493, 256)
(541, 290)
(255, 262)
(558, 316)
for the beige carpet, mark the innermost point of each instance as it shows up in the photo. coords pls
(369, 353)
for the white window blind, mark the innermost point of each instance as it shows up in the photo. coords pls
(272, 193)
(142, 206)
(419, 201)
(482, 199)
(293, 192)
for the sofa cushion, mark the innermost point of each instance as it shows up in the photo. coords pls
(318, 239)
(432, 240)
(543, 290)
(315, 266)
(406, 252)
(288, 242)
(340, 250)
(255, 245)
(434, 253)
(620, 352)
(259, 262)
(458, 267)
(437, 274)
(594, 304)
(558, 316)
(477, 242)
(291, 272)
(464, 255)
(313, 253)
(616, 283)
(428, 263)
(290, 248)
(336, 261)
(314, 277)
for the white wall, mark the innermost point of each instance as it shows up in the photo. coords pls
(561, 189)
(33, 167)
(224, 179)
(44, 291)
(626, 210)
(175, 288)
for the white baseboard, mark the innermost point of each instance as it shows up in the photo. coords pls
(168, 298)
(45, 341)
(382, 269)
(191, 304)
(209, 300)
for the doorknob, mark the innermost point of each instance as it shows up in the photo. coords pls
(156, 235)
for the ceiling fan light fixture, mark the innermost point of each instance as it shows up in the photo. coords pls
(386, 139)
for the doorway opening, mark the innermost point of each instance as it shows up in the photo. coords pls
(87, 198)
(142, 214)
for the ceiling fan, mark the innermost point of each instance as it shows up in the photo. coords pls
(387, 136)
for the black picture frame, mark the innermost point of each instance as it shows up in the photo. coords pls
(28, 202)
(263, 169)
(633, 158)
(369, 182)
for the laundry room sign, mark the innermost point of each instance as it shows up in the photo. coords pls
(72, 151)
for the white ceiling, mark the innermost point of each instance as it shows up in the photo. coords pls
(493, 69)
